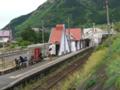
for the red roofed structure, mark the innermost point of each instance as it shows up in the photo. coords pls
(64, 40)
(75, 33)
(56, 34)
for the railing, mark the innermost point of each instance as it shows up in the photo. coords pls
(6, 64)
(7, 60)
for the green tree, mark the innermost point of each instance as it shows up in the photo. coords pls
(29, 35)
(39, 37)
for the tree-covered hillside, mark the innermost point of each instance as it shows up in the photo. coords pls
(80, 12)
(15, 22)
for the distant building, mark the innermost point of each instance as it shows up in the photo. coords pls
(5, 36)
(37, 29)
(40, 30)
(94, 34)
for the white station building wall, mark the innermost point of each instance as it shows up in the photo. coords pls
(64, 46)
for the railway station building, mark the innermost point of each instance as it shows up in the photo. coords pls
(58, 41)
(63, 41)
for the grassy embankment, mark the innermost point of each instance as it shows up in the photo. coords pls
(101, 71)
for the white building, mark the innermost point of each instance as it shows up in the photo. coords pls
(74, 37)
(94, 34)
(64, 41)
(58, 40)
(5, 36)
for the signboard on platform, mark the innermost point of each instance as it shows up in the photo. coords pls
(37, 53)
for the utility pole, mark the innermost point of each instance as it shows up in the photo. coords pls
(93, 34)
(108, 23)
(107, 15)
(69, 33)
(43, 38)
(43, 33)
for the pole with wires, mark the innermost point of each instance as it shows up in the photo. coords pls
(108, 25)
(43, 38)
(107, 15)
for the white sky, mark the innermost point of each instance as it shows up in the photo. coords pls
(10, 9)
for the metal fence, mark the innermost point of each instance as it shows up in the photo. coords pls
(7, 60)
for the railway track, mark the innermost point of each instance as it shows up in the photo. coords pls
(54, 80)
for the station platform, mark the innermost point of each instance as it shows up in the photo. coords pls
(12, 78)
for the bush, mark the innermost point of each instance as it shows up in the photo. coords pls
(90, 83)
(24, 43)
(88, 69)
(117, 26)
(1, 45)
(113, 65)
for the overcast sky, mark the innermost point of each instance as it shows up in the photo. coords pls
(10, 9)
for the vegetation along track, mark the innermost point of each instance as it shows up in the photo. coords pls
(54, 80)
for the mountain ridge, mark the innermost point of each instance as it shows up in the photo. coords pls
(82, 13)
